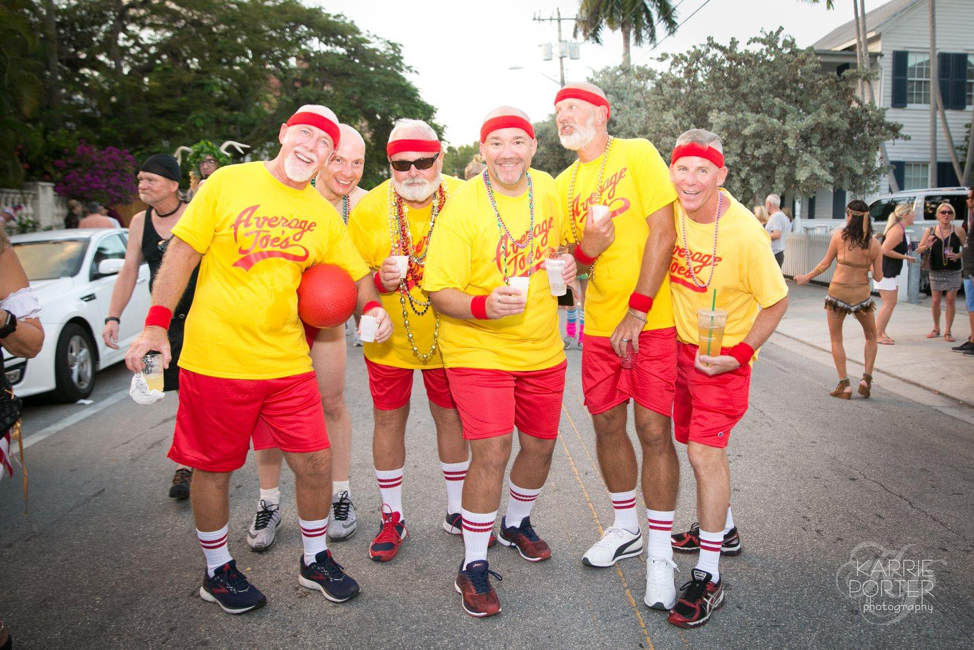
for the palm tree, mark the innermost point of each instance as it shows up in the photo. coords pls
(636, 19)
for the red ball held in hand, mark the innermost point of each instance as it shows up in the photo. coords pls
(326, 296)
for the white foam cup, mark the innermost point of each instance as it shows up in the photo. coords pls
(521, 284)
(403, 262)
(598, 212)
(367, 328)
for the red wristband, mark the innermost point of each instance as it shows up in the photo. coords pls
(369, 306)
(478, 307)
(158, 316)
(742, 352)
(378, 284)
(640, 302)
(582, 258)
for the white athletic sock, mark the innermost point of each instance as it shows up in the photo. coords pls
(710, 553)
(729, 523)
(313, 534)
(390, 489)
(519, 505)
(340, 486)
(477, 528)
(214, 548)
(270, 496)
(660, 528)
(624, 505)
(453, 475)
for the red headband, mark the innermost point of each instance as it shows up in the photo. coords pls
(505, 122)
(698, 150)
(422, 146)
(317, 121)
(585, 96)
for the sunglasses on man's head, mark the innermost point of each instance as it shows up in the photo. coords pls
(419, 163)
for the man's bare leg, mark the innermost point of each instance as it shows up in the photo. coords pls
(712, 472)
(454, 454)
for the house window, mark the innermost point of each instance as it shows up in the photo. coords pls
(916, 176)
(918, 78)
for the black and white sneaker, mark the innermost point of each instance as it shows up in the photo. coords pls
(329, 577)
(343, 523)
(689, 542)
(616, 544)
(964, 347)
(700, 599)
(263, 531)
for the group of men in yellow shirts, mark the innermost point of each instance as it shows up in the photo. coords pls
(455, 274)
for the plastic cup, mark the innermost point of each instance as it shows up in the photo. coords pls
(598, 212)
(152, 371)
(403, 262)
(367, 329)
(521, 284)
(555, 267)
(710, 328)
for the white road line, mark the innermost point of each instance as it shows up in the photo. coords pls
(71, 420)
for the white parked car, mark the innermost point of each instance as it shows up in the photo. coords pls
(73, 273)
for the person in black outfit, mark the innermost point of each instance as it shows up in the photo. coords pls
(149, 234)
(944, 241)
(967, 257)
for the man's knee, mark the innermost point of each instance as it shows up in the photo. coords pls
(333, 405)
(612, 423)
(704, 459)
(491, 453)
(310, 465)
(653, 429)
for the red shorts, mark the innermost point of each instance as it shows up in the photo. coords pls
(391, 386)
(650, 382)
(707, 408)
(218, 417)
(492, 402)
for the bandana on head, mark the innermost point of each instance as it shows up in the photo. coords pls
(699, 151)
(419, 146)
(318, 121)
(163, 165)
(505, 122)
(585, 96)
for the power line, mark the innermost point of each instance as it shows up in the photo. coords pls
(697, 10)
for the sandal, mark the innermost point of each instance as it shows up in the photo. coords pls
(886, 341)
(934, 333)
(840, 390)
(866, 390)
(949, 338)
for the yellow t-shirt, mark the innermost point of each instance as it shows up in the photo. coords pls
(256, 236)
(468, 253)
(746, 274)
(635, 184)
(369, 227)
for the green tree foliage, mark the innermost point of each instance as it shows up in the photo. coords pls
(151, 76)
(786, 123)
(20, 86)
(636, 19)
(551, 157)
(456, 159)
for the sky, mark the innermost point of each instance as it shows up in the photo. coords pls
(463, 52)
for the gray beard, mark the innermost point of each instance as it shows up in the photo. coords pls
(417, 192)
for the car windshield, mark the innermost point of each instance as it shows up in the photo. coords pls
(52, 259)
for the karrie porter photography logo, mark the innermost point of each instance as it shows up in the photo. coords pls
(888, 585)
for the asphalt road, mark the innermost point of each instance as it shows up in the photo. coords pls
(106, 560)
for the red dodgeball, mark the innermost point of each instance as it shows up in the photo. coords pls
(326, 296)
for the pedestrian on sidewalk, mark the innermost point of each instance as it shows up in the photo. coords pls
(849, 293)
(967, 271)
(944, 241)
(895, 246)
(761, 214)
(778, 227)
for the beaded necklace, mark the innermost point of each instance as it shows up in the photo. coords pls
(345, 209)
(598, 187)
(402, 244)
(686, 245)
(502, 227)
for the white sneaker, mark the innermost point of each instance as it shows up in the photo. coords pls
(357, 341)
(660, 588)
(263, 531)
(616, 544)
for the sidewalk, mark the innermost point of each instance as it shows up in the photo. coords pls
(928, 363)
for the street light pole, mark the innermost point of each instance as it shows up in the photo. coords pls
(561, 58)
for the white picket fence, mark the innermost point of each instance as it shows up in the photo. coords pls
(39, 202)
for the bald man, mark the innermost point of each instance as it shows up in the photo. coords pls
(338, 183)
(239, 372)
(499, 333)
(619, 197)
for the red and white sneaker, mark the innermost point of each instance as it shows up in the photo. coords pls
(700, 599)
(386, 544)
(689, 542)
(453, 524)
(531, 547)
(477, 595)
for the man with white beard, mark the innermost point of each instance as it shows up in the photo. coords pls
(397, 219)
(619, 199)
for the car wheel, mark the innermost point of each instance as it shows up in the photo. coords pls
(74, 364)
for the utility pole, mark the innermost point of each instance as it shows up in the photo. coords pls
(565, 48)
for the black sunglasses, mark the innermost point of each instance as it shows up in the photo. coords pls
(419, 163)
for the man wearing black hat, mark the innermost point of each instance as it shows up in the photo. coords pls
(149, 233)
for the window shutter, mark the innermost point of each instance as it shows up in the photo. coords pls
(838, 203)
(946, 176)
(811, 207)
(900, 60)
(899, 172)
(958, 83)
(944, 62)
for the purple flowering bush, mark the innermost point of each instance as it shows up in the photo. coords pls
(103, 175)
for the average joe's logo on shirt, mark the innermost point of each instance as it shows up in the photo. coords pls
(261, 237)
(617, 204)
(517, 258)
(415, 276)
(680, 273)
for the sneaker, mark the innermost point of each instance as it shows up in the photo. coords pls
(181, 481)
(386, 544)
(616, 544)
(531, 547)
(453, 524)
(230, 589)
(357, 341)
(263, 531)
(328, 577)
(969, 353)
(689, 541)
(343, 523)
(700, 599)
(660, 588)
(579, 344)
(568, 342)
(964, 347)
(477, 595)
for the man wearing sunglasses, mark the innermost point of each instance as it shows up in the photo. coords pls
(398, 219)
